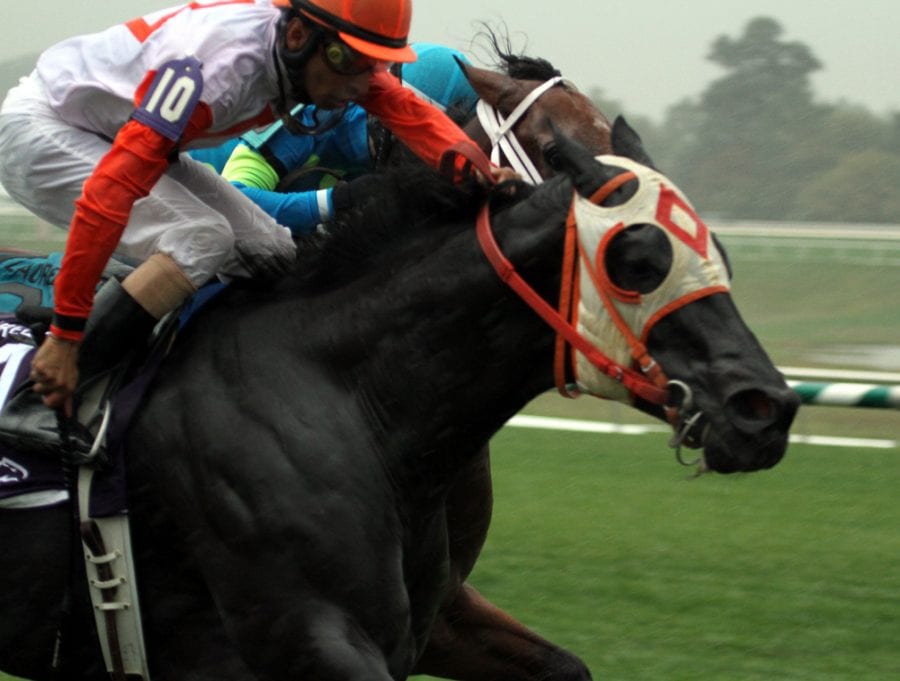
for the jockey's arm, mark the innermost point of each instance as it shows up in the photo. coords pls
(261, 161)
(138, 157)
(421, 126)
(255, 176)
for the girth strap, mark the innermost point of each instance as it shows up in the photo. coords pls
(111, 582)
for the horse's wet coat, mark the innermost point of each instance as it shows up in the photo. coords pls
(295, 475)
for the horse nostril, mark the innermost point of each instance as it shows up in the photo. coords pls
(752, 410)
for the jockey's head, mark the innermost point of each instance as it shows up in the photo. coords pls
(330, 48)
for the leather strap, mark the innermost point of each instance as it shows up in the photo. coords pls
(633, 381)
(111, 582)
(500, 132)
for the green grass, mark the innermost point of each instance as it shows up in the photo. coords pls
(30, 234)
(802, 299)
(604, 546)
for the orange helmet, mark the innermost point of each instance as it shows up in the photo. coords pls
(375, 28)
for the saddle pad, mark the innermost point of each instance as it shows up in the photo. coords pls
(27, 279)
(30, 480)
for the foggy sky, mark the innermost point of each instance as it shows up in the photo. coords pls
(647, 54)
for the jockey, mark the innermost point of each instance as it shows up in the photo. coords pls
(300, 180)
(91, 141)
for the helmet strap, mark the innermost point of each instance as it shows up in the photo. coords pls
(293, 62)
(289, 66)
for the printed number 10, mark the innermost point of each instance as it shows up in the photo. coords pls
(175, 96)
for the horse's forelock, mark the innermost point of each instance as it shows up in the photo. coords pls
(518, 66)
(522, 67)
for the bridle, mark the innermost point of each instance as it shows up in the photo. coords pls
(649, 383)
(502, 138)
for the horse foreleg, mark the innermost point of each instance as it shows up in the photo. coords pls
(474, 640)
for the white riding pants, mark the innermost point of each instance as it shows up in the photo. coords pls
(192, 214)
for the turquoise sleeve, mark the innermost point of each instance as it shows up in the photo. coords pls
(301, 212)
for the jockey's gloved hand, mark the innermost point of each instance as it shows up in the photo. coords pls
(346, 195)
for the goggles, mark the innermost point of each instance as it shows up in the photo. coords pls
(345, 61)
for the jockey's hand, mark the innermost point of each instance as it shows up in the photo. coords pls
(346, 195)
(504, 174)
(498, 175)
(54, 371)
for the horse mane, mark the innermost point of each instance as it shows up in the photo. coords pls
(411, 199)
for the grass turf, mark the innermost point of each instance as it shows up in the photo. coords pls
(604, 546)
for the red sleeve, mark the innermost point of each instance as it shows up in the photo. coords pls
(138, 158)
(421, 126)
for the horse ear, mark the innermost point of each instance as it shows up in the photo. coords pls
(488, 85)
(568, 156)
(626, 142)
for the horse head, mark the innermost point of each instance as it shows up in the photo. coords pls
(653, 291)
(524, 103)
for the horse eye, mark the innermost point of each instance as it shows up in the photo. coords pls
(638, 258)
(553, 156)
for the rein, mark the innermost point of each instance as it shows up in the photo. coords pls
(650, 385)
(499, 131)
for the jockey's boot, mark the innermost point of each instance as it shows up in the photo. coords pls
(117, 326)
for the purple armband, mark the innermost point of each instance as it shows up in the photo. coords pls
(171, 98)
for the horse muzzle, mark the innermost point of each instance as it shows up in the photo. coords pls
(752, 431)
(749, 432)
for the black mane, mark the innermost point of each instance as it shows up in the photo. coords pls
(518, 66)
(412, 198)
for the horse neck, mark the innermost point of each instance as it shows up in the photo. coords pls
(441, 352)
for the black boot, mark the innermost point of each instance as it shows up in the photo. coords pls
(118, 327)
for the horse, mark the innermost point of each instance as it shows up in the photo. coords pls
(293, 469)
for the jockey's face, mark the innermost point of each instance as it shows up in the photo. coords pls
(325, 87)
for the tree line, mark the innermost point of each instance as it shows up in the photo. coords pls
(755, 145)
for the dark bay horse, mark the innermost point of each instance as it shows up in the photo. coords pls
(517, 106)
(518, 102)
(293, 471)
